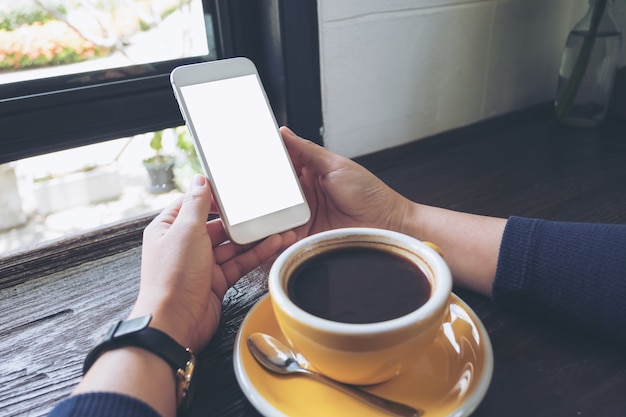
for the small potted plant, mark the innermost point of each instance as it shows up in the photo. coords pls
(160, 167)
(189, 164)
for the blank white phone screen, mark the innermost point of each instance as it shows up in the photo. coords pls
(234, 126)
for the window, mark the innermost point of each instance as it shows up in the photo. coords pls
(44, 114)
(79, 72)
(50, 196)
(48, 38)
(113, 82)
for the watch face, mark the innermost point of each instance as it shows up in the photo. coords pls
(109, 340)
(131, 326)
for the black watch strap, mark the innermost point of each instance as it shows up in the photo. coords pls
(135, 332)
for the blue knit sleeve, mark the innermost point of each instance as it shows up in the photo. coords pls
(102, 404)
(571, 273)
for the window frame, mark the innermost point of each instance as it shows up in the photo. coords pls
(65, 112)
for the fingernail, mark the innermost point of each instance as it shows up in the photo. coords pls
(198, 180)
(288, 131)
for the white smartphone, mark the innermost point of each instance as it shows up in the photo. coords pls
(239, 145)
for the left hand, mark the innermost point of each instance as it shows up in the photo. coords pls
(188, 264)
(342, 193)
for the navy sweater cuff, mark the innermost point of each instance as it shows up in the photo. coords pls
(570, 273)
(102, 404)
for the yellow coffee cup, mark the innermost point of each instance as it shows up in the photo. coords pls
(360, 304)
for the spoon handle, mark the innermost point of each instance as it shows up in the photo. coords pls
(383, 404)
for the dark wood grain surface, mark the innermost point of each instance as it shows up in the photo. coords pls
(55, 302)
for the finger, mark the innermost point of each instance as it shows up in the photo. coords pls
(292, 148)
(228, 250)
(289, 238)
(165, 218)
(306, 153)
(196, 203)
(214, 209)
(215, 229)
(245, 262)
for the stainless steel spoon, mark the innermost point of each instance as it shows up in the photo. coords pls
(272, 354)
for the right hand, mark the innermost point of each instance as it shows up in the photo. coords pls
(340, 192)
(188, 264)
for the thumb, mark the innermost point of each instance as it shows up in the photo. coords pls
(196, 203)
(305, 153)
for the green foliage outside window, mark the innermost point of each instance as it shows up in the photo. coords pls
(43, 44)
(13, 19)
(33, 38)
(43, 34)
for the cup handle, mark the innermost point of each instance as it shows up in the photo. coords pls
(434, 247)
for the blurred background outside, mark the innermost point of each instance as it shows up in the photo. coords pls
(49, 196)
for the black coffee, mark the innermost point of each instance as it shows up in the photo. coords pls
(358, 285)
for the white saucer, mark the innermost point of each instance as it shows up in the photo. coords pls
(451, 379)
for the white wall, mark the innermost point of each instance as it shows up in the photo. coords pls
(398, 70)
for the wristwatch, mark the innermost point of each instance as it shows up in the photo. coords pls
(135, 332)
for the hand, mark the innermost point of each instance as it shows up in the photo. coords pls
(188, 264)
(186, 267)
(340, 192)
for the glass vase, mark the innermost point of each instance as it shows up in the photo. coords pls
(588, 67)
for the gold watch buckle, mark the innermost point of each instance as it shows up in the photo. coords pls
(184, 377)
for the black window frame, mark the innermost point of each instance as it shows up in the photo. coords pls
(58, 113)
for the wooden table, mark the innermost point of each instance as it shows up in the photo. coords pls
(55, 301)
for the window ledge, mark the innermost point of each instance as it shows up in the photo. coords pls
(59, 255)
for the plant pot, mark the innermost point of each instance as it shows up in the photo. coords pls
(11, 202)
(102, 183)
(160, 173)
